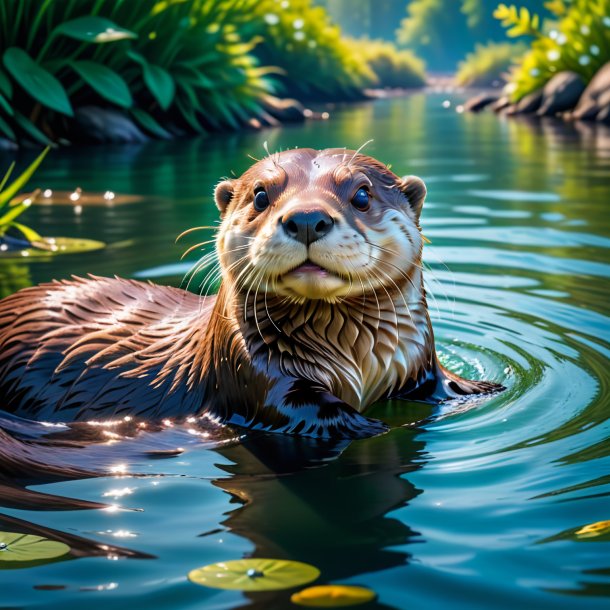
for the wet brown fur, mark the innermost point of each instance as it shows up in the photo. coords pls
(256, 355)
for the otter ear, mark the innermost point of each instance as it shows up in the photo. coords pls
(414, 190)
(223, 193)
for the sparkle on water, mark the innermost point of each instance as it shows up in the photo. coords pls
(480, 504)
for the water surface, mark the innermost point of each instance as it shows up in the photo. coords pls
(465, 507)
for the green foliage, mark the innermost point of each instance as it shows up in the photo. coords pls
(12, 207)
(443, 31)
(519, 21)
(391, 67)
(488, 63)
(313, 60)
(579, 41)
(176, 62)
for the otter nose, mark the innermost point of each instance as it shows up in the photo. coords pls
(307, 226)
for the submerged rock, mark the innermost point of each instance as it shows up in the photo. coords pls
(284, 110)
(105, 126)
(528, 104)
(589, 104)
(501, 104)
(561, 93)
(477, 103)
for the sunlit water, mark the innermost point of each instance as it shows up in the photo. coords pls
(472, 507)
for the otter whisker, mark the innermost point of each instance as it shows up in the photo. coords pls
(192, 229)
(400, 292)
(362, 147)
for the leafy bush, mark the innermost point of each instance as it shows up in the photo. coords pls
(579, 41)
(391, 67)
(488, 63)
(169, 61)
(315, 62)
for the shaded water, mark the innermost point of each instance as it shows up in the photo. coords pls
(466, 508)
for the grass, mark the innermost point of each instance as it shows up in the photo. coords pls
(12, 206)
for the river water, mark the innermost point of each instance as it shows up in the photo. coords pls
(469, 506)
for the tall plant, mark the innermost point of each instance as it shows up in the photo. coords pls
(165, 62)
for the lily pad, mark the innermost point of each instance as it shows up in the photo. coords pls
(51, 246)
(592, 530)
(26, 547)
(254, 574)
(332, 596)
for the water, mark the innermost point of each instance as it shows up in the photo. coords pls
(464, 508)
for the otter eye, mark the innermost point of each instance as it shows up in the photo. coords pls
(261, 200)
(361, 199)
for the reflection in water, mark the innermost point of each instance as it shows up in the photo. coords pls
(324, 503)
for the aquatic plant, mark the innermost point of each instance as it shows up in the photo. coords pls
(16, 548)
(11, 207)
(391, 67)
(488, 63)
(315, 62)
(183, 65)
(254, 574)
(578, 39)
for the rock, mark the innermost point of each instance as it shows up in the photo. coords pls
(588, 105)
(105, 125)
(284, 110)
(528, 104)
(477, 103)
(561, 93)
(501, 104)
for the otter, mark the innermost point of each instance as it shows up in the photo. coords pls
(321, 312)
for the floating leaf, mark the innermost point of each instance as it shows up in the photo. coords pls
(332, 596)
(105, 81)
(254, 574)
(50, 246)
(592, 530)
(37, 82)
(26, 547)
(93, 29)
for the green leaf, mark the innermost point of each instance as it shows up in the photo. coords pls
(31, 129)
(160, 83)
(104, 81)
(8, 193)
(149, 124)
(15, 211)
(6, 106)
(26, 547)
(9, 171)
(7, 130)
(29, 234)
(158, 80)
(93, 29)
(6, 87)
(255, 574)
(37, 82)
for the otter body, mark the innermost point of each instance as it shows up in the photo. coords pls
(321, 312)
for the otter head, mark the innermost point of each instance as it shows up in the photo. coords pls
(306, 224)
